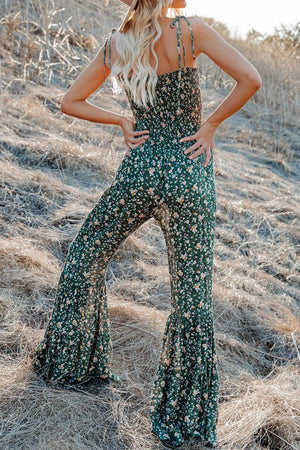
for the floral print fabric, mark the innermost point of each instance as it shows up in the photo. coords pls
(157, 180)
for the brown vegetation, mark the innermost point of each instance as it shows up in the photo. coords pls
(54, 168)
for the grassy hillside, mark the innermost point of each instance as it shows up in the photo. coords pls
(54, 168)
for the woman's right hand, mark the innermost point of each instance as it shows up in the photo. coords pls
(204, 142)
(128, 127)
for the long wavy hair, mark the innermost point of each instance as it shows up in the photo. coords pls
(137, 36)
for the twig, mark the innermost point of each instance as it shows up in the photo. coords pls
(295, 343)
(282, 439)
(134, 327)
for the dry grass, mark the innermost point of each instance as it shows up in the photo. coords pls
(53, 168)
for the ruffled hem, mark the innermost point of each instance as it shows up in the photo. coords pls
(176, 439)
(185, 390)
(52, 365)
(76, 349)
(73, 383)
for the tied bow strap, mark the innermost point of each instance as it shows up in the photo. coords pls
(107, 44)
(176, 22)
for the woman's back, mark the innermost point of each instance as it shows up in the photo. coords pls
(166, 47)
(177, 38)
(178, 106)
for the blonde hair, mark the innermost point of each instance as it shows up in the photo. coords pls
(137, 35)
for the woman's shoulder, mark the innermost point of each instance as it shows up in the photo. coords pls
(199, 24)
(200, 29)
(196, 20)
(195, 23)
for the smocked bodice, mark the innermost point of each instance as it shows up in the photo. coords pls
(172, 109)
(177, 103)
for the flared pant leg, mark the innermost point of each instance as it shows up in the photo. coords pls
(185, 390)
(76, 346)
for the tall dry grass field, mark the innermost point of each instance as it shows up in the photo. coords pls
(54, 168)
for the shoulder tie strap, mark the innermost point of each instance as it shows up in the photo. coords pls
(107, 43)
(176, 22)
(192, 36)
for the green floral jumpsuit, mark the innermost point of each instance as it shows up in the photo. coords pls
(157, 180)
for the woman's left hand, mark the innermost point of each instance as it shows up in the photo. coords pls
(205, 142)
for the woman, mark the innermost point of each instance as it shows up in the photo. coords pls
(153, 56)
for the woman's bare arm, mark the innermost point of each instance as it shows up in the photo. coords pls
(74, 102)
(248, 81)
(210, 42)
